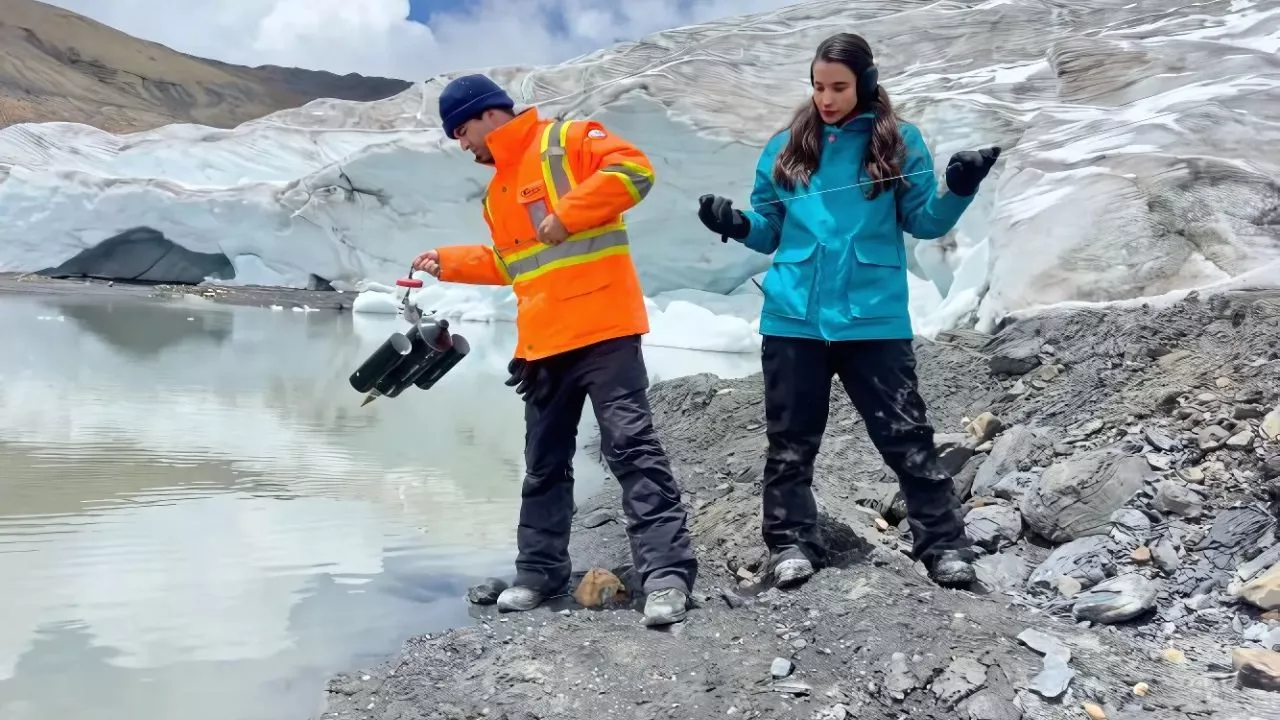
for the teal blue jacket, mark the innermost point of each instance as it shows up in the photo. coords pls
(839, 267)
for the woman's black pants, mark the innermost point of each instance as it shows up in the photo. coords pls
(880, 378)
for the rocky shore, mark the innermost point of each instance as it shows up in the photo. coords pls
(1121, 467)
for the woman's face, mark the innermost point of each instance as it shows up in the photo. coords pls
(835, 91)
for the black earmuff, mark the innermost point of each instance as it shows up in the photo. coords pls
(868, 84)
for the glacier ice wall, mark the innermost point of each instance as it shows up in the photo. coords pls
(1142, 156)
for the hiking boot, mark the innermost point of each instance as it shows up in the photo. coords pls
(793, 571)
(666, 606)
(519, 599)
(952, 568)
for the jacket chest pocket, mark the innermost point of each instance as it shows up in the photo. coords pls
(519, 220)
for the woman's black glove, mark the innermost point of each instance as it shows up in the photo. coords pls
(718, 215)
(968, 168)
(531, 380)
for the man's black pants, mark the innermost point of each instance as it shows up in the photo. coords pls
(880, 378)
(612, 373)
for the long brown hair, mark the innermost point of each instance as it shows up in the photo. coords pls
(885, 153)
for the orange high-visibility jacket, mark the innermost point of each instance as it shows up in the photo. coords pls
(584, 290)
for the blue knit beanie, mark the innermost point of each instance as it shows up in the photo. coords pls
(467, 97)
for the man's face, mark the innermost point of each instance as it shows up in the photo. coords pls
(472, 134)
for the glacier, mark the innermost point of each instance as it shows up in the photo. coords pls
(1141, 158)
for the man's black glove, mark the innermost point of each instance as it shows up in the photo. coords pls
(531, 380)
(718, 215)
(967, 169)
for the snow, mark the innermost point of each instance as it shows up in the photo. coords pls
(1142, 143)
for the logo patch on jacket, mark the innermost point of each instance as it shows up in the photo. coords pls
(595, 133)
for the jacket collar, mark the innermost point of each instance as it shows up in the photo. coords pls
(862, 122)
(509, 142)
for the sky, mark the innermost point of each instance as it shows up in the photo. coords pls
(408, 39)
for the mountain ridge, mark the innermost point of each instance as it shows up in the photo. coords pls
(59, 66)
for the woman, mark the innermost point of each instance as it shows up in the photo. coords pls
(833, 195)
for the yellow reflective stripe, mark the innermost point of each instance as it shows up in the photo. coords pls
(536, 247)
(555, 162)
(566, 262)
(636, 178)
(575, 249)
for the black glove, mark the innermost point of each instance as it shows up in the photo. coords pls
(967, 168)
(531, 380)
(718, 215)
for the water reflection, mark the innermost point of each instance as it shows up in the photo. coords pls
(197, 520)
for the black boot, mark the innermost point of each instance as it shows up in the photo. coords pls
(952, 568)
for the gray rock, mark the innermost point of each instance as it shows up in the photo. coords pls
(993, 527)
(1016, 357)
(1179, 499)
(1271, 467)
(1246, 412)
(959, 680)
(1087, 559)
(1076, 497)
(1116, 600)
(1165, 555)
(1159, 440)
(1053, 680)
(1242, 440)
(1130, 526)
(900, 680)
(487, 592)
(1002, 572)
(1045, 644)
(1211, 437)
(963, 480)
(596, 518)
(1248, 395)
(1018, 445)
(954, 450)
(1160, 463)
(1014, 486)
(987, 705)
(781, 668)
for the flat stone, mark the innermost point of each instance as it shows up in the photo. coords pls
(1263, 592)
(1159, 440)
(1142, 555)
(596, 518)
(987, 705)
(1086, 559)
(1159, 462)
(1211, 437)
(1116, 600)
(1016, 357)
(1242, 440)
(1178, 499)
(1257, 668)
(959, 680)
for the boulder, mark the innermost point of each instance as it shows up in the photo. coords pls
(1020, 448)
(1087, 560)
(1076, 497)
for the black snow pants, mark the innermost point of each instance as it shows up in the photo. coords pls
(612, 374)
(880, 378)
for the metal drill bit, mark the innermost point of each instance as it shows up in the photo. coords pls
(369, 398)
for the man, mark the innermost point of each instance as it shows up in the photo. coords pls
(554, 210)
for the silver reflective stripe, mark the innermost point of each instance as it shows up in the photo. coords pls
(564, 253)
(638, 179)
(554, 161)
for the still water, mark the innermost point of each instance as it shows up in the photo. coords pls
(198, 521)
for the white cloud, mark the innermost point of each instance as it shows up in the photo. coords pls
(372, 37)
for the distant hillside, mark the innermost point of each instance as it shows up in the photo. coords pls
(56, 65)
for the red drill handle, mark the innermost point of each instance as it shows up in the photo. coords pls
(408, 282)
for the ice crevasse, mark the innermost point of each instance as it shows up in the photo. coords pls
(1142, 159)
